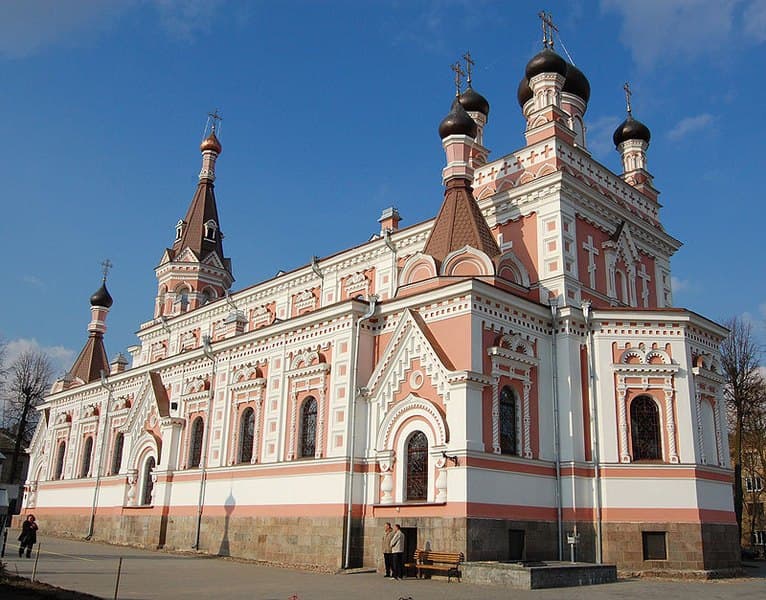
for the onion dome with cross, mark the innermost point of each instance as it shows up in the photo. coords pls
(630, 128)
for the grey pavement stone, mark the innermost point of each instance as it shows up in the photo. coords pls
(91, 567)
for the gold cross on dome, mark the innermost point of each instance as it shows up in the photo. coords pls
(469, 65)
(215, 118)
(548, 28)
(105, 266)
(458, 77)
(628, 94)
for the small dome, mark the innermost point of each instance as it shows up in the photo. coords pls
(524, 93)
(101, 297)
(211, 143)
(631, 129)
(546, 61)
(457, 122)
(473, 101)
(576, 83)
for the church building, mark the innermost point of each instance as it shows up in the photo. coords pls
(505, 380)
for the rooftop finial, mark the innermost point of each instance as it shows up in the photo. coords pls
(105, 267)
(628, 94)
(548, 28)
(458, 76)
(214, 120)
(469, 64)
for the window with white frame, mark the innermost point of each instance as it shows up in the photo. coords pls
(753, 484)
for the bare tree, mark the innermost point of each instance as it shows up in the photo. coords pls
(740, 357)
(29, 377)
(754, 464)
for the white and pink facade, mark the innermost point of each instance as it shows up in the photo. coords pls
(496, 379)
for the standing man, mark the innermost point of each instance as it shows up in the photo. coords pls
(397, 548)
(387, 552)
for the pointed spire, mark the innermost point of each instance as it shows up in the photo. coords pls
(93, 358)
(200, 229)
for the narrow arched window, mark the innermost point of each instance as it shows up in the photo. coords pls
(119, 444)
(147, 482)
(87, 453)
(417, 467)
(507, 421)
(645, 429)
(246, 434)
(195, 443)
(59, 473)
(308, 427)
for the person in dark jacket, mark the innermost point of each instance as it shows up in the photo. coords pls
(28, 536)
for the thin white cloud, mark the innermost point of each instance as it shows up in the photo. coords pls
(599, 135)
(689, 125)
(754, 20)
(29, 26)
(664, 31)
(680, 285)
(61, 357)
(33, 281)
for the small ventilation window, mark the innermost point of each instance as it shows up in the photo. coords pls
(211, 229)
(180, 229)
(655, 547)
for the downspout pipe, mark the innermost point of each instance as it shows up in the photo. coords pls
(207, 350)
(102, 443)
(356, 393)
(588, 314)
(556, 432)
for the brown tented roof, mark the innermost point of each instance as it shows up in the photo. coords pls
(92, 360)
(201, 210)
(460, 223)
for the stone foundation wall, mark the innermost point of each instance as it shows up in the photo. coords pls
(477, 539)
(690, 547)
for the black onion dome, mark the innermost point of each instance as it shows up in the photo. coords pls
(101, 297)
(524, 93)
(546, 61)
(576, 83)
(631, 129)
(473, 101)
(457, 122)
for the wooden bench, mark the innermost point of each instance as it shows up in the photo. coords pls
(447, 563)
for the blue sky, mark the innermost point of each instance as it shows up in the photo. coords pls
(330, 115)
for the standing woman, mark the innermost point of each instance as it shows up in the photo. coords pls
(28, 536)
(397, 547)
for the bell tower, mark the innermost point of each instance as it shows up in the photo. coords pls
(194, 270)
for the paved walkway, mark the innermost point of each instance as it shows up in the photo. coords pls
(91, 567)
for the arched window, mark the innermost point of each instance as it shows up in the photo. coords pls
(507, 421)
(308, 428)
(59, 473)
(645, 429)
(119, 444)
(87, 452)
(195, 443)
(210, 230)
(246, 434)
(417, 467)
(147, 482)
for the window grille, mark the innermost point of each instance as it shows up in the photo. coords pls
(645, 429)
(119, 444)
(417, 467)
(308, 427)
(59, 474)
(195, 449)
(146, 495)
(87, 453)
(507, 418)
(246, 434)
